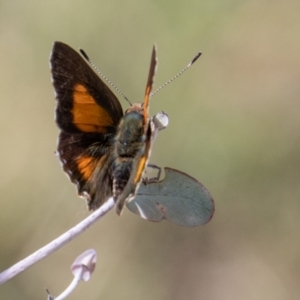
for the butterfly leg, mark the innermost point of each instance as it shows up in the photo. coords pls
(155, 179)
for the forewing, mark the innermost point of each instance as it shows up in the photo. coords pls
(84, 102)
(142, 158)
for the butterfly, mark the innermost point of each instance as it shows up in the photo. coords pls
(103, 150)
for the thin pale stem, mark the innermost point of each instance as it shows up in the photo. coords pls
(69, 289)
(56, 244)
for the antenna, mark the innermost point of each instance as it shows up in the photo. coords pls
(177, 75)
(103, 76)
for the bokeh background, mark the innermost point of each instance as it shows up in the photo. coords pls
(234, 125)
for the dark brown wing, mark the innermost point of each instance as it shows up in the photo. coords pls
(84, 102)
(88, 114)
(87, 160)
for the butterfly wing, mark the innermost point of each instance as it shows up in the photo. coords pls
(148, 130)
(87, 161)
(141, 159)
(87, 113)
(84, 102)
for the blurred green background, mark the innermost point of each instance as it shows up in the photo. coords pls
(234, 125)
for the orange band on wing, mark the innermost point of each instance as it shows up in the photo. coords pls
(86, 166)
(88, 116)
(140, 169)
